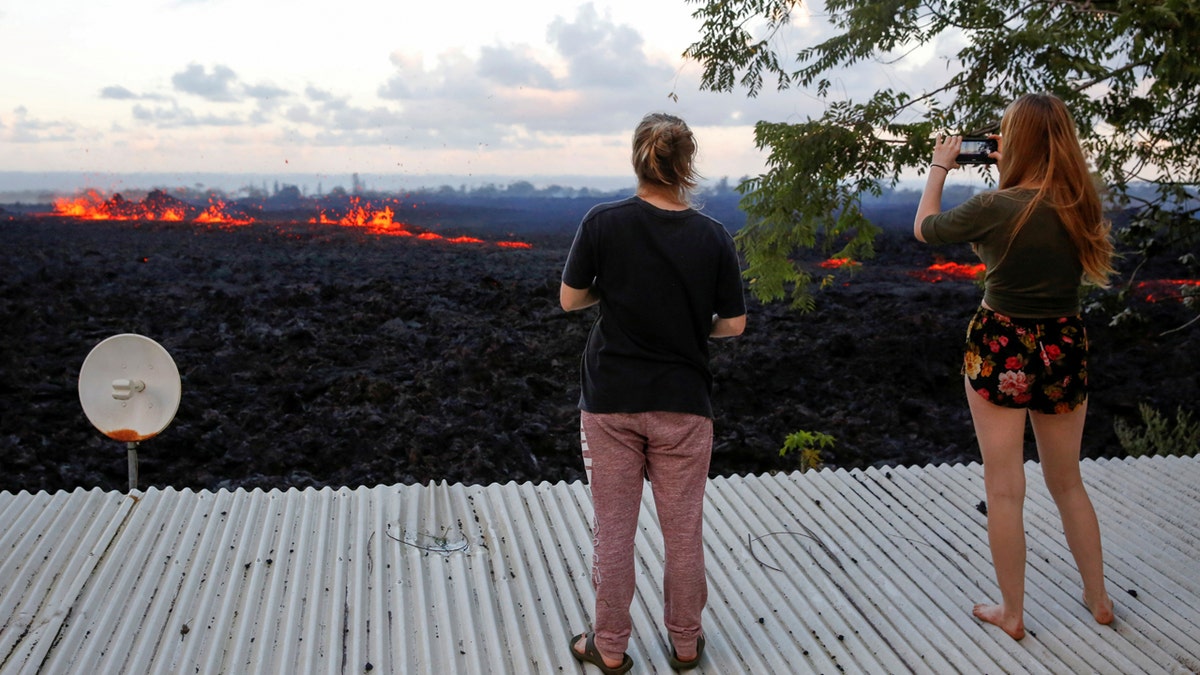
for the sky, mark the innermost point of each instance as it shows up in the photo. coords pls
(536, 88)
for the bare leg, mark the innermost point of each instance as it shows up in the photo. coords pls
(1059, 438)
(1001, 435)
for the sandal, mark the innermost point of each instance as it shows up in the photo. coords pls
(592, 655)
(677, 664)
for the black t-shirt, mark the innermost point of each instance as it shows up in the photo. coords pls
(660, 276)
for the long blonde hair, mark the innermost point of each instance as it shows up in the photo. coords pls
(1041, 147)
(664, 154)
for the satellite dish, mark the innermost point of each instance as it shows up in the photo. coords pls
(129, 388)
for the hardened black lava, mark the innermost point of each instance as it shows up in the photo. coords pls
(318, 355)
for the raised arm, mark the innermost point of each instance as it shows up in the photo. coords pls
(945, 152)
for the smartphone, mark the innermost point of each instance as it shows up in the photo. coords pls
(975, 150)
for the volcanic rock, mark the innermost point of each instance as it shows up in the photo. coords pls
(319, 355)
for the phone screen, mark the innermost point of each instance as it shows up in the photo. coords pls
(975, 148)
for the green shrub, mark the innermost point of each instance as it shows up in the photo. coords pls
(807, 445)
(1159, 436)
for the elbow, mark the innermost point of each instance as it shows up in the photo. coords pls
(571, 299)
(737, 325)
(565, 298)
(917, 228)
(731, 327)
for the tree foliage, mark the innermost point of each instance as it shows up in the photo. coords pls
(1128, 69)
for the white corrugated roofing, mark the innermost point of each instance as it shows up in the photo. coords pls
(833, 571)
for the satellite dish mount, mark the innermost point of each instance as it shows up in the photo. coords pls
(129, 388)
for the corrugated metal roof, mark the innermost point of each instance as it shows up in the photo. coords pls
(833, 571)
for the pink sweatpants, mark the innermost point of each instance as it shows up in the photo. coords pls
(673, 450)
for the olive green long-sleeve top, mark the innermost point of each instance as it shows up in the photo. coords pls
(1038, 276)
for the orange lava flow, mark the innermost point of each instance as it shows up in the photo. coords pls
(158, 205)
(949, 270)
(217, 214)
(382, 221)
(91, 206)
(839, 263)
(1158, 290)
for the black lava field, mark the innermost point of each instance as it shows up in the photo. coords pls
(322, 355)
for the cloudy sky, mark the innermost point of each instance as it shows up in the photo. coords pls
(471, 87)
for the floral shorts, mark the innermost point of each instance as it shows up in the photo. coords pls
(1038, 364)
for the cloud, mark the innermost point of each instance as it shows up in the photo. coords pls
(574, 94)
(601, 54)
(119, 93)
(216, 86)
(591, 76)
(26, 129)
(266, 91)
(514, 67)
(299, 114)
(596, 77)
(315, 94)
(175, 116)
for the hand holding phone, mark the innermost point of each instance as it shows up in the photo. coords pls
(977, 150)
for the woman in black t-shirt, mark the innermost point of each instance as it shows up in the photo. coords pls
(666, 279)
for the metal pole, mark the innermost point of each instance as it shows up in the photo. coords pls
(133, 465)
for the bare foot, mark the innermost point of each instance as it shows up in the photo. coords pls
(994, 614)
(580, 648)
(1102, 609)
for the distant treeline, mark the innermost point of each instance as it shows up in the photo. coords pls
(517, 207)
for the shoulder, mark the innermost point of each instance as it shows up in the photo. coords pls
(610, 209)
(1012, 198)
(971, 220)
(994, 203)
(709, 221)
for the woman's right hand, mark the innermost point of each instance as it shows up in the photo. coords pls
(945, 151)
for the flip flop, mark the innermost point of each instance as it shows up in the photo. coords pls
(592, 655)
(690, 663)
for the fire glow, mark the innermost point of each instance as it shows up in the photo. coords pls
(840, 263)
(1159, 290)
(217, 214)
(92, 205)
(159, 206)
(942, 271)
(382, 221)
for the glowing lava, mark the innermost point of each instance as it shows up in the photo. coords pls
(840, 263)
(1158, 290)
(217, 213)
(158, 205)
(91, 205)
(382, 220)
(949, 270)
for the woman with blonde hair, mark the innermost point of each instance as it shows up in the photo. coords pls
(1041, 236)
(666, 278)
